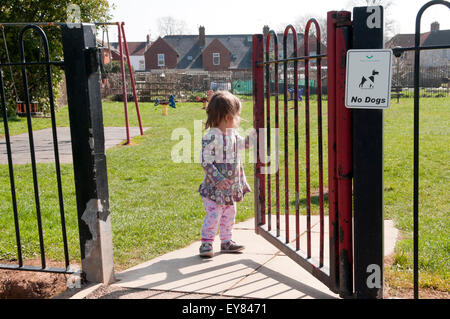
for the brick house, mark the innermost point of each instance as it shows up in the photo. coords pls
(216, 57)
(201, 52)
(432, 38)
(160, 55)
(136, 51)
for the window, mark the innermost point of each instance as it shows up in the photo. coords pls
(216, 58)
(141, 64)
(161, 61)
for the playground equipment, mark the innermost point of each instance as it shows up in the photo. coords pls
(170, 102)
(205, 100)
(291, 94)
(124, 45)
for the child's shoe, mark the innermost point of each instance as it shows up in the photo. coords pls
(231, 247)
(206, 250)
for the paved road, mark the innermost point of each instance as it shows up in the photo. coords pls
(43, 142)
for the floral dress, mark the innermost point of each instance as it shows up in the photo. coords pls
(220, 159)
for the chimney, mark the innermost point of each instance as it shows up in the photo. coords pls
(266, 30)
(435, 26)
(201, 36)
(148, 39)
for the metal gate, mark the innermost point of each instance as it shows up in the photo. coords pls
(28, 111)
(81, 65)
(335, 270)
(417, 48)
(354, 157)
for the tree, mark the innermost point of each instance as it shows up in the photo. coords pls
(171, 26)
(39, 11)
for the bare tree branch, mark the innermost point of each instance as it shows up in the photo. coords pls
(171, 26)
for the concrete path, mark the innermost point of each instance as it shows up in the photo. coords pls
(43, 144)
(261, 271)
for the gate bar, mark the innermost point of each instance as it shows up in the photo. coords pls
(55, 145)
(277, 151)
(300, 58)
(268, 94)
(11, 170)
(286, 146)
(31, 139)
(67, 270)
(296, 154)
(319, 134)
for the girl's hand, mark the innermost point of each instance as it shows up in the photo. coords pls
(224, 184)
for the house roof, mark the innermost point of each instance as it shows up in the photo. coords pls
(437, 38)
(190, 51)
(401, 40)
(426, 39)
(134, 48)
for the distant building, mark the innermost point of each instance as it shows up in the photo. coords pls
(136, 51)
(432, 38)
(201, 52)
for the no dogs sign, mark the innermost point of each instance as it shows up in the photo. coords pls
(368, 83)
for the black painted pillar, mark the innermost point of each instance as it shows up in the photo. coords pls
(81, 63)
(368, 170)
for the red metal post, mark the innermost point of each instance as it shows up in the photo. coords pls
(344, 158)
(332, 181)
(307, 143)
(269, 191)
(319, 127)
(258, 124)
(132, 78)
(286, 132)
(124, 84)
(277, 126)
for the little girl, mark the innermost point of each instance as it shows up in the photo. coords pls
(224, 183)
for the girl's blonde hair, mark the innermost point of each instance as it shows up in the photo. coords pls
(221, 104)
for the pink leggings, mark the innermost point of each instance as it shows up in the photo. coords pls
(214, 213)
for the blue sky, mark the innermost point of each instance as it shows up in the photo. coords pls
(248, 17)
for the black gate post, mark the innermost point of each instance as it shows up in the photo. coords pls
(88, 147)
(368, 170)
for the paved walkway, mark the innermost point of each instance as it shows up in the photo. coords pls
(43, 144)
(261, 271)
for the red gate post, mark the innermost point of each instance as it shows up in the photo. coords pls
(332, 182)
(258, 124)
(343, 158)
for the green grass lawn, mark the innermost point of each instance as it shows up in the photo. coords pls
(155, 206)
